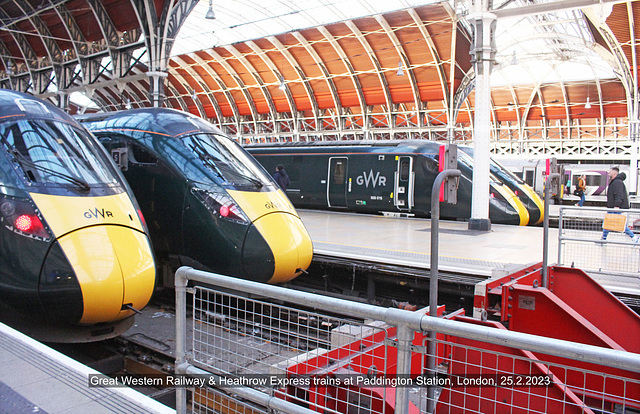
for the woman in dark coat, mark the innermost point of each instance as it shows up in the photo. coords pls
(282, 178)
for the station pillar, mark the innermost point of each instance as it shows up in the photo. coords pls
(156, 88)
(483, 54)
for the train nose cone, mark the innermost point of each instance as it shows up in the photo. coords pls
(114, 267)
(287, 252)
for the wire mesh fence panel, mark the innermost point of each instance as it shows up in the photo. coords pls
(294, 353)
(212, 401)
(302, 360)
(585, 241)
(477, 377)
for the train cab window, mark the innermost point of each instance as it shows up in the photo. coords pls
(52, 152)
(405, 166)
(227, 160)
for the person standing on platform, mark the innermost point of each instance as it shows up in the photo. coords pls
(581, 187)
(617, 198)
(281, 178)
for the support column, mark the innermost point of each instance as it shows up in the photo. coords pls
(483, 54)
(63, 101)
(634, 135)
(156, 88)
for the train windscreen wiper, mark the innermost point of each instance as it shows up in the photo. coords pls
(22, 160)
(252, 180)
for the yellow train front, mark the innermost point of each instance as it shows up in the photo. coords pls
(73, 246)
(207, 202)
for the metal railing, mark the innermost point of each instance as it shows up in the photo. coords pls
(273, 348)
(581, 243)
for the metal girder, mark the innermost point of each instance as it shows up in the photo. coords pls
(71, 26)
(238, 80)
(185, 84)
(223, 87)
(177, 15)
(301, 74)
(436, 55)
(376, 63)
(107, 27)
(205, 88)
(257, 78)
(28, 55)
(53, 49)
(274, 70)
(405, 60)
(352, 74)
(550, 7)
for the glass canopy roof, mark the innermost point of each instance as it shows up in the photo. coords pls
(241, 20)
(531, 50)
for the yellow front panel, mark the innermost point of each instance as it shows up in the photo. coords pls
(289, 242)
(536, 199)
(90, 253)
(515, 202)
(65, 213)
(137, 266)
(255, 204)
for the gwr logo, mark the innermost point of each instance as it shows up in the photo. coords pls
(95, 213)
(375, 180)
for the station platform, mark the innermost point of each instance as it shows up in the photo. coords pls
(379, 239)
(37, 379)
(407, 241)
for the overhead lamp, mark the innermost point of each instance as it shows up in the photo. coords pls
(400, 72)
(282, 85)
(588, 104)
(211, 15)
(514, 59)
(128, 104)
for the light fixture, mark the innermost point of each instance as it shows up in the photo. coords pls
(128, 104)
(588, 104)
(211, 15)
(514, 59)
(511, 104)
(400, 72)
(282, 85)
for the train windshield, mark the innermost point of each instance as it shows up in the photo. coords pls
(55, 153)
(227, 160)
(497, 169)
(467, 161)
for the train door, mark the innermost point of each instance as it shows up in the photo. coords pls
(337, 182)
(403, 184)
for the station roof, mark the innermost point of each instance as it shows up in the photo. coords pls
(265, 58)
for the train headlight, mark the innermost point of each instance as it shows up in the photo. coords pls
(221, 205)
(21, 217)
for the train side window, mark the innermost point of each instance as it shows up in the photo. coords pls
(405, 164)
(338, 173)
(529, 175)
(142, 156)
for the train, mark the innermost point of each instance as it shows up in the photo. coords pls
(380, 177)
(208, 203)
(532, 171)
(526, 194)
(76, 255)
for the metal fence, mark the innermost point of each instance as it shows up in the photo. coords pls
(581, 242)
(272, 349)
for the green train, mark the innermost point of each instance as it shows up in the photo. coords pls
(76, 257)
(380, 176)
(207, 202)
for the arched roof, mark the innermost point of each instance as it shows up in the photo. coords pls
(398, 73)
